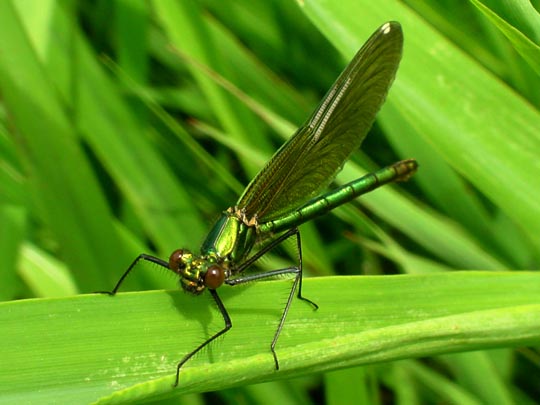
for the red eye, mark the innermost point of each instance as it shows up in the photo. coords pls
(214, 277)
(177, 259)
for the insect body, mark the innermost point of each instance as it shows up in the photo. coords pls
(287, 191)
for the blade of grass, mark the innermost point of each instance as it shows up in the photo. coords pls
(189, 32)
(63, 186)
(441, 386)
(94, 345)
(483, 129)
(13, 220)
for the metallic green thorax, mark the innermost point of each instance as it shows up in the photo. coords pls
(229, 241)
(231, 237)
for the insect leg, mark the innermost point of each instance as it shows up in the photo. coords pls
(228, 325)
(297, 271)
(142, 256)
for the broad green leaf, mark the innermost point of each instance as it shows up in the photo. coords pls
(123, 348)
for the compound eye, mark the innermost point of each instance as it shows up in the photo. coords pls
(214, 277)
(178, 260)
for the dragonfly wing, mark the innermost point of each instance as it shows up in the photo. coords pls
(311, 158)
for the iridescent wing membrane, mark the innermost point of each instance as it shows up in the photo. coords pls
(311, 158)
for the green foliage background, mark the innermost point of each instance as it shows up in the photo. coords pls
(128, 126)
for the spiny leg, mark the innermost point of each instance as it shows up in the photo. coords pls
(142, 256)
(273, 273)
(228, 325)
(300, 269)
(297, 271)
(219, 303)
(266, 249)
(297, 281)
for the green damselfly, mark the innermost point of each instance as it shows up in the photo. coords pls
(287, 191)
